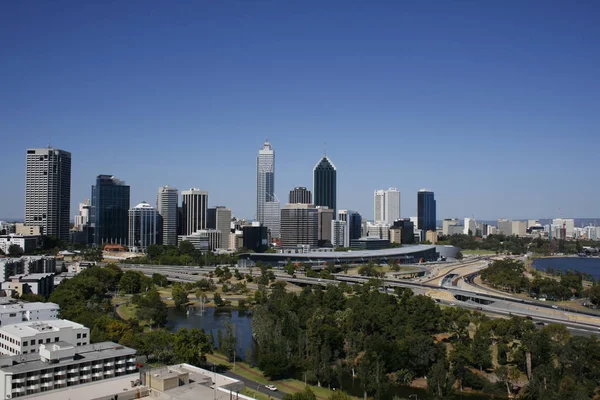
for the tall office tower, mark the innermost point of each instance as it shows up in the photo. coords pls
(272, 218)
(144, 227)
(387, 205)
(110, 210)
(470, 226)
(326, 217)
(353, 225)
(426, 210)
(219, 218)
(299, 225)
(300, 195)
(166, 204)
(193, 205)
(325, 183)
(48, 191)
(265, 179)
(338, 233)
(83, 218)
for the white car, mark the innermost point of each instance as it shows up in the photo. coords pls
(272, 388)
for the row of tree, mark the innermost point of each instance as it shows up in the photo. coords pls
(184, 254)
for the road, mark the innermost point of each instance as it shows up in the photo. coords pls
(466, 296)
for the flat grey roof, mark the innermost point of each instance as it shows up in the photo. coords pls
(100, 389)
(399, 251)
(89, 353)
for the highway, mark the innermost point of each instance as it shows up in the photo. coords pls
(468, 296)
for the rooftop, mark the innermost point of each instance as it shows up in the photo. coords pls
(105, 388)
(20, 306)
(404, 250)
(32, 328)
(24, 363)
(29, 277)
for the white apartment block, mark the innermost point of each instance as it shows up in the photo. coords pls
(567, 223)
(16, 313)
(204, 239)
(26, 265)
(61, 364)
(338, 233)
(519, 228)
(26, 243)
(447, 223)
(492, 230)
(386, 205)
(381, 231)
(470, 226)
(27, 337)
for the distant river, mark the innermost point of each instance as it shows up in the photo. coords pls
(584, 265)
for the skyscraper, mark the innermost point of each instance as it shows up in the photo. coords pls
(325, 220)
(193, 205)
(299, 225)
(166, 204)
(48, 191)
(267, 206)
(110, 210)
(353, 225)
(144, 227)
(387, 205)
(426, 209)
(300, 195)
(265, 179)
(325, 183)
(219, 218)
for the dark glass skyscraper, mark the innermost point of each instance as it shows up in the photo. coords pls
(325, 184)
(426, 210)
(300, 195)
(110, 210)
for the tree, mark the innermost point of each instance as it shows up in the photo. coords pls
(186, 247)
(14, 250)
(228, 342)
(191, 346)
(179, 294)
(439, 381)
(130, 282)
(480, 350)
(307, 394)
(218, 300)
(339, 395)
(152, 308)
(159, 280)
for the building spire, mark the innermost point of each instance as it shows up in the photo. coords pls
(325, 144)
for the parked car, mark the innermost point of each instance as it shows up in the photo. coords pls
(272, 388)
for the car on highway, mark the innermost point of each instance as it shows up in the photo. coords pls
(555, 307)
(272, 388)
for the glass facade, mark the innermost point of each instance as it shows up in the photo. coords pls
(426, 210)
(110, 204)
(325, 184)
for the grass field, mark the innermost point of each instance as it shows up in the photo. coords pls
(479, 252)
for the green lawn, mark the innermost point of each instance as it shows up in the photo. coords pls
(479, 252)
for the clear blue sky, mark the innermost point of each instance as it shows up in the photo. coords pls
(493, 105)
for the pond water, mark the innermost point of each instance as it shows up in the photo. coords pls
(584, 265)
(213, 321)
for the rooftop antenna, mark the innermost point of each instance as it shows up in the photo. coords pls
(325, 145)
(50, 142)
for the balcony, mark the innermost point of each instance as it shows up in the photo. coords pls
(73, 370)
(97, 375)
(131, 368)
(60, 382)
(109, 364)
(131, 359)
(120, 370)
(98, 366)
(33, 387)
(109, 372)
(48, 384)
(85, 377)
(33, 378)
(120, 362)
(73, 379)
(48, 375)
(86, 368)
(60, 373)
(19, 380)
(19, 389)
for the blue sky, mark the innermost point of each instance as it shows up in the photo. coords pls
(493, 105)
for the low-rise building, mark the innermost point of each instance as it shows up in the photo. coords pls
(59, 364)
(369, 243)
(27, 230)
(16, 313)
(41, 284)
(204, 239)
(378, 230)
(431, 236)
(26, 243)
(80, 266)
(27, 337)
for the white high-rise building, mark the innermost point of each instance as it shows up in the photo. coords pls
(265, 179)
(144, 226)
(48, 191)
(387, 205)
(272, 218)
(84, 215)
(194, 206)
(166, 204)
(567, 223)
(338, 233)
(470, 226)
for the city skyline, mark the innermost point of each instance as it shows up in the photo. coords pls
(472, 113)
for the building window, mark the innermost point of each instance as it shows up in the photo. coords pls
(40, 341)
(25, 343)
(84, 335)
(48, 340)
(79, 336)
(56, 339)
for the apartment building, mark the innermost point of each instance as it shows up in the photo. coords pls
(27, 337)
(16, 313)
(61, 364)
